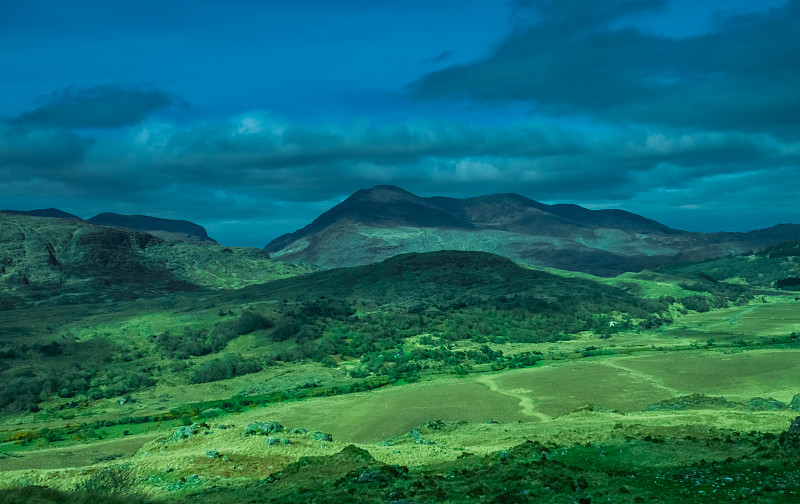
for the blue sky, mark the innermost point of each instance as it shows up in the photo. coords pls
(251, 118)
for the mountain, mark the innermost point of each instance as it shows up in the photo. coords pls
(374, 224)
(44, 212)
(72, 261)
(167, 229)
(62, 261)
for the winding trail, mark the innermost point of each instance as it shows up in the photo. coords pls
(526, 402)
(734, 319)
(652, 380)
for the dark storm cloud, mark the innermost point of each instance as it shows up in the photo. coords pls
(580, 57)
(438, 58)
(256, 154)
(99, 107)
(262, 143)
(28, 151)
(256, 166)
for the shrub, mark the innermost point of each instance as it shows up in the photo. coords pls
(790, 283)
(221, 369)
(696, 303)
(117, 479)
(199, 342)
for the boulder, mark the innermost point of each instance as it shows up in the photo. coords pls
(795, 427)
(770, 404)
(322, 436)
(369, 477)
(262, 428)
(185, 432)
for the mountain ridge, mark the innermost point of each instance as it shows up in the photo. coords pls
(43, 212)
(167, 229)
(369, 206)
(377, 223)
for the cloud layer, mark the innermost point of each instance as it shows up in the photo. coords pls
(577, 57)
(101, 107)
(256, 166)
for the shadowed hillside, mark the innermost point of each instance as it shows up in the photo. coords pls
(167, 229)
(445, 277)
(44, 212)
(776, 266)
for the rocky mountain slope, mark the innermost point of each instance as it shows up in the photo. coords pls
(46, 259)
(372, 225)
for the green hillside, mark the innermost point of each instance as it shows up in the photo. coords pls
(776, 266)
(58, 261)
(438, 377)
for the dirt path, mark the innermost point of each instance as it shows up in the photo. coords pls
(652, 380)
(526, 402)
(734, 319)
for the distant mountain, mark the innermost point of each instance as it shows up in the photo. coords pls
(167, 229)
(44, 212)
(775, 266)
(372, 225)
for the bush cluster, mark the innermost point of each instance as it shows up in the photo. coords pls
(228, 366)
(197, 342)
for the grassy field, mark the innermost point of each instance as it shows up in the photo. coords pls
(647, 288)
(585, 391)
(547, 395)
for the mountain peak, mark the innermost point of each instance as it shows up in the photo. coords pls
(383, 221)
(383, 193)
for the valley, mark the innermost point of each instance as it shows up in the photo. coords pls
(223, 375)
(666, 383)
(448, 252)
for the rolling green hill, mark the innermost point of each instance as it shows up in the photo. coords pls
(777, 266)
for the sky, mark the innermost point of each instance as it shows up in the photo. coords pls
(251, 118)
